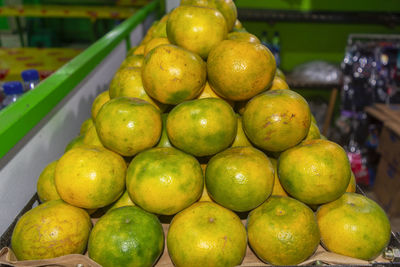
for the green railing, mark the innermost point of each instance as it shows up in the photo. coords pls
(19, 118)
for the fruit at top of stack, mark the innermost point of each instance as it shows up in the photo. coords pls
(51, 230)
(164, 180)
(90, 177)
(196, 28)
(314, 172)
(283, 231)
(171, 74)
(206, 234)
(202, 127)
(355, 226)
(240, 178)
(128, 125)
(240, 70)
(276, 120)
(127, 236)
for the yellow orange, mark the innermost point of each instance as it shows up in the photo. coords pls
(46, 188)
(98, 102)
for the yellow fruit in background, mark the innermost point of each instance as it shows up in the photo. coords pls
(160, 28)
(237, 25)
(90, 177)
(98, 102)
(278, 189)
(279, 73)
(351, 188)
(243, 36)
(51, 230)
(206, 234)
(276, 120)
(278, 84)
(205, 196)
(128, 125)
(197, 29)
(240, 139)
(354, 226)
(240, 178)
(92, 138)
(208, 92)
(139, 50)
(283, 231)
(164, 180)
(128, 82)
(75, 142)
(86, 125)
(131, 50)
(240, 70)
(164, 140)
(314, 172)
(123, 201)
(153, 43)
(172, 74)
(46, 188)
(134, 61)
(313, 132)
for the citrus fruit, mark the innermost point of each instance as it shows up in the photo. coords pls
(160, 29)
(243, 36)
(92, 138)
(240, 70)
(139, 50)
(85, 126)
(128, 125)
(283, 231)
(240, 106)
(355, 226)
(208, 92)
(123, 201)
(127, 236)
(314, 172)
(278, 189)
(226, 7)
(240, 178)
(51, 230)
(206, 234)
(128, 82)
(202, 127)
(278, 83)
(205, 196)
(133, 61)
(196, 28)
(133, 48)
(279, 73)
(352, 184)
(240, 139)
(153, 43)
(313, 132)
(98, 102)
(164, 180)
(75, 142)
(164, 141)
(172, 74)
(46, 188)
(90, 177)
(276, 120)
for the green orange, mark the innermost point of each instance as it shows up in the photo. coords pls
(172, 74)
(128, 125)
(240, 70)
(90, 177)
(164, 180)
(206, 234)
(98, 102)
(315, 172)
(283, 231)
(276, 120)
(46, 188)
(202, 127)
(51, 230)
(127, 236)
(355, 226)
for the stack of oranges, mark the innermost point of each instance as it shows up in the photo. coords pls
(199, 126)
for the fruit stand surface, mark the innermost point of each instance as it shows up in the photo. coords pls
(45, 60)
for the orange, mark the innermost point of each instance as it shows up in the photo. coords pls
(139, 50)
(128, 82)
(164, 180)
(276, 120)
(153, 43)
(237, 26)
(128, 125)
(46, 188)
(278, 189)
(134, 61)
(196, 28)
(127, 236)
(243, 36)
(278, 83)
(132, 50)
(51, 230)
(85, 126)
(240, 70)
(240, 178)
(206, 234)
(123, 201)
(90, 177)
(172, 74)
(164, 141)
(98, 102)
(314, 172)
(75, 142)
(240, 106)
(160, 29)
(355, 226)
(240, 139)
(279, 73)
(202, 127)
(226, 7)
(313, 132)
(92, 138)
(352, 184)
(283, 231)
(208, 92)
(205, 196)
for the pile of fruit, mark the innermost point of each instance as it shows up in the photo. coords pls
(199, 127)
